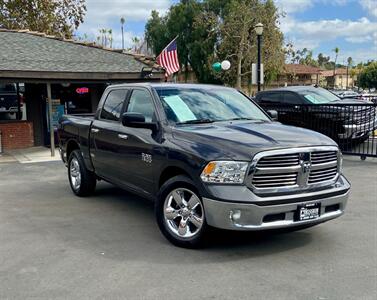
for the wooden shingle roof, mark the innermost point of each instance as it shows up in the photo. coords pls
(29, 52)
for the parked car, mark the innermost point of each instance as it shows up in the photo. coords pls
(207, 156)
(344, 120)
(8, 98)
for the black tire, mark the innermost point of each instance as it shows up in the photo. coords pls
(179, 183)
(88, 179)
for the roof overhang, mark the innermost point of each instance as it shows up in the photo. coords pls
(37, 76)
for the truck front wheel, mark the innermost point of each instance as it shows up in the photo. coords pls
(180, 213)
(82, 181)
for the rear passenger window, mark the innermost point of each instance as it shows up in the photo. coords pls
(112, 107)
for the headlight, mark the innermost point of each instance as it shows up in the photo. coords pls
(224, 172)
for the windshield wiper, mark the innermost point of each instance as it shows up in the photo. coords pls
(240, 118)
(200, 121)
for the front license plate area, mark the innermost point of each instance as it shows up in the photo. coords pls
(309, 211)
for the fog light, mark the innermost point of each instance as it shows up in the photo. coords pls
(235, 215)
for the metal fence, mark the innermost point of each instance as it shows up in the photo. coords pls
(352, 126)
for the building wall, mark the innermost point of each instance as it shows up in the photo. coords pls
(16, 135)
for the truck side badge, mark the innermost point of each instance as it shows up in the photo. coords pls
(146, 158)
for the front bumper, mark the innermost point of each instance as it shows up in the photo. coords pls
(358, 131)
(267, 215)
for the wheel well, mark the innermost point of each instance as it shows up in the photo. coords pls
(170, 172)
(71, 146)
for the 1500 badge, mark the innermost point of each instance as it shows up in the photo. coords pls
(146, 157)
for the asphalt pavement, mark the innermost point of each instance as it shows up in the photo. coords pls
(54, 245)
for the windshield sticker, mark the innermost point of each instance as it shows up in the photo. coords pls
(180, 108)
(311, 98)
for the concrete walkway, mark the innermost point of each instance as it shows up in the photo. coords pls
(33, 155)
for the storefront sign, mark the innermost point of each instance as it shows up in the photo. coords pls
(82, 90)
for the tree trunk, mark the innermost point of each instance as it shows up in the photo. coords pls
(239, 70)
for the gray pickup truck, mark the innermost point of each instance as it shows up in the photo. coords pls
(207, 156)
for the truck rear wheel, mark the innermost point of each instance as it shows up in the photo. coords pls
(82, 181)
(180, 213)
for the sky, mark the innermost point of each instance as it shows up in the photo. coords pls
(319, 25)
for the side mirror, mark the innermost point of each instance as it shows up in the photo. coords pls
(273, 114)
(137, 120)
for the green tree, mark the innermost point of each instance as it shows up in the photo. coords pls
(349, 61)
(336, 51)
(213, 30)
(194, 45)
(238, 40)
(122, 21)
(135, 43)
(55, 17)
(368, 77)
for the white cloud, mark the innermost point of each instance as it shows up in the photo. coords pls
(358, 55)
(104, 14)
(291, 6)
(370, 6)
(336, 28)
(359, 39)
(132, 10)
(310, 34)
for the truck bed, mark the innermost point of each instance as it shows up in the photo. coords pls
(76, 128)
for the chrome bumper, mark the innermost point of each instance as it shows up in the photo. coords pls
(247, 216)
(358, 131)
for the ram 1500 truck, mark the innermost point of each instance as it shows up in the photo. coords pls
(208, 156)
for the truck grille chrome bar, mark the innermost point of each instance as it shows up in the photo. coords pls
(294, 169)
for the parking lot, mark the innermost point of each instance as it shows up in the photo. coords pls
(55, 245)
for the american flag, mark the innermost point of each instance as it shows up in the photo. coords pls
(168, 58)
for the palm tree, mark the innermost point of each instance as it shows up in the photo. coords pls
(122, 21)
(111, 37)
(135, 41)
(349, 64)
(349, 61)
(336, 50)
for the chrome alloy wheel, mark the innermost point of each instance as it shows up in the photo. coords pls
(183, 213)
(75, 174)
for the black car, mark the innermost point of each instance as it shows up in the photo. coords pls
(344, 120)
(207, 156)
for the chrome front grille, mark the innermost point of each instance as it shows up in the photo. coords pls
(321, 157)
(274, 161)
(320, 175)
(294, 169)
(274, 180)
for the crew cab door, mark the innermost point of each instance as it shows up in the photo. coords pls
(138, 146)
(104, 135)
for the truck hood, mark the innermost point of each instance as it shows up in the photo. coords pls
(240, 140)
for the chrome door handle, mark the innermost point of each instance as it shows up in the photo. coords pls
(123, 136)
(95, 130)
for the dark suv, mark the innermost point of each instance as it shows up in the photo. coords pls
(320, 110)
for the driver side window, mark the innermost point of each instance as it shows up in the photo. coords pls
(141, 102)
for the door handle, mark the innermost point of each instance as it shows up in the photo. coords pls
(123, 136)
(95, 130)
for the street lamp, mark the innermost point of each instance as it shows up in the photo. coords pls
(259, 31)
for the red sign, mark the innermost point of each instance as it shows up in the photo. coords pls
(82, 90)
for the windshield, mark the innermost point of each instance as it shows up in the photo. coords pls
(7, 88)
(204, 105)
(319, 96)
